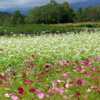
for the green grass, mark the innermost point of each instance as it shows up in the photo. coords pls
(50, 67)
(94, 28)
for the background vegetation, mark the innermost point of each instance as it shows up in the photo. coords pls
(52, 13)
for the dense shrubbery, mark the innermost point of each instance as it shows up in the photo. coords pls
(45, 29)
(52, 13)
(37, 29)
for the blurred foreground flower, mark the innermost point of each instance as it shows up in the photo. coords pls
(2, 77)
(1, 49)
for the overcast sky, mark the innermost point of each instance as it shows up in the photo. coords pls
(4, 4)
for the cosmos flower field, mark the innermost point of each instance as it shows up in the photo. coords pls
(50, 67)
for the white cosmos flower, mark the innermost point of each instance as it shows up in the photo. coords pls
(7, 95)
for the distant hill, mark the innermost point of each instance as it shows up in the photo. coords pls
(3, 13)
(12, 10)
(76, 6)
(84, 4)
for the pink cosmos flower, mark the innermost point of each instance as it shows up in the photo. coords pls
(61, 92)
(67, 85)
(89, 90)
(95, 58)
(71, 96)
(31, 64)
(40, 95)
(47, 85)
(31, 71)
(82, 70)
(79, 82)
(49, 91)
(92, 69)
(55, 69)
(26, 59)
(10, 69)
(10, 83)
(61, 63)
(46, 95)
(65, 97)
(70, 84)
(14, 97)
(56, 89)
(65, 74)
(82, 66)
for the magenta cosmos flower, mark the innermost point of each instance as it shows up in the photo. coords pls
(77, 93)
(33, 56)
(98, 71)
(20, 90)
(32, 90)
(2, 77)
(79, 82)
(1, 49)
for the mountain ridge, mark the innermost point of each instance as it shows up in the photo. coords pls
(75, 6)
(84, 4)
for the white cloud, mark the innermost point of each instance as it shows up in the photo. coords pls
(25, 3)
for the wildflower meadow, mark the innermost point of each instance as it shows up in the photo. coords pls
(50, 67)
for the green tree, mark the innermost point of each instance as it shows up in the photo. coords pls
(16, 17)
(51, 13)
(43, 14)
(87, 14)
(65, 13)
(96, 14)
(20, 20)
(29, 16)
(7, 21)
(33, 15)
(79, 15)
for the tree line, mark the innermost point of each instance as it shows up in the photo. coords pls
(52, 13)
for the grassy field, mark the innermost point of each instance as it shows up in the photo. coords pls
(64, 24)
(50, 67)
